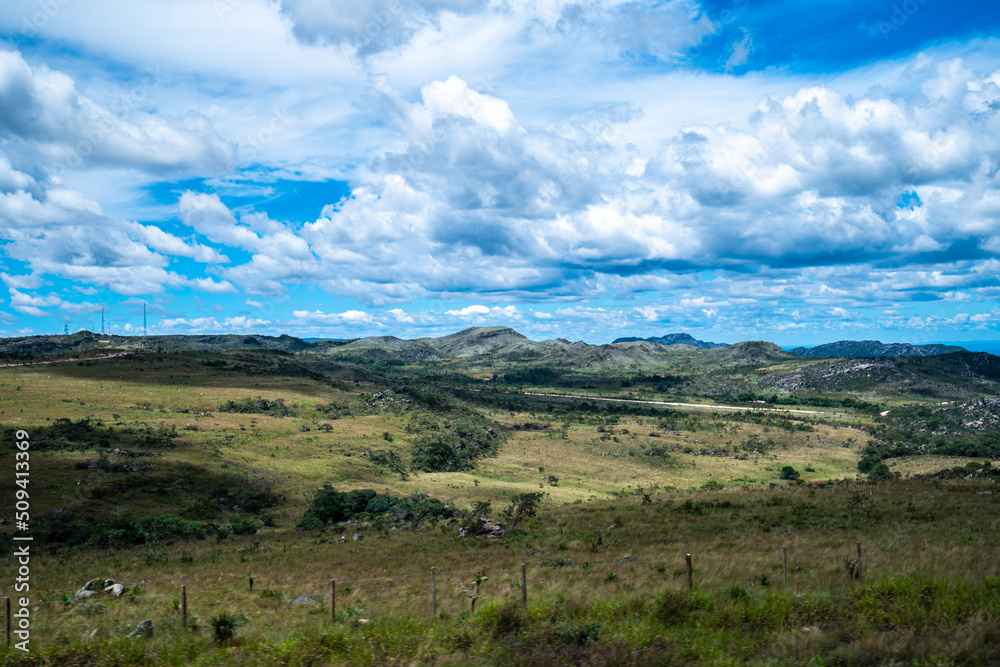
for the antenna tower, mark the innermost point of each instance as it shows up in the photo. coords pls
(143, 320)
(65, 329)
(102, 320)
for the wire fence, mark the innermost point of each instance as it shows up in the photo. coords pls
(428, 593)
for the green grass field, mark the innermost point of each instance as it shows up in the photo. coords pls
(628, 494)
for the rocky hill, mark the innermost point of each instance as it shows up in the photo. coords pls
(480, 341)
(874, 348)
(674, 339)
(750, 353)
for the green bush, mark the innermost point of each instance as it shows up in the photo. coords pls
(224, 625)
(457, 446)
(245, 525)
(790, 473)
(331, 506)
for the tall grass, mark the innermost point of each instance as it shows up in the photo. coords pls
(930, 590)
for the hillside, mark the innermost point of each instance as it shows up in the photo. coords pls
(874, 348)
(748, 353)
(382, 348)
(208, 468)
(482, 341)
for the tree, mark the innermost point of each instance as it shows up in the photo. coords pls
(522, 506)
(790, 473)
(879, 471)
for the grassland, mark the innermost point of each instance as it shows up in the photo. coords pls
(630, 489)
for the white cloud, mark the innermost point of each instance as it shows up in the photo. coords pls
(44, 116)
(470, 310)
(32, 305)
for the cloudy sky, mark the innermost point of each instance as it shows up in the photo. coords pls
(799, 171)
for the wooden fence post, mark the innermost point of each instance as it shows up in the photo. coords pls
(690, 572)
(434, 592)
(251, 583)
(6, 606)
(333, 600)
(184, 607)
(859, 563)
(524, 586)
(784, 566)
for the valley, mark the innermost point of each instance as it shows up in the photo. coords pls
(206, 461)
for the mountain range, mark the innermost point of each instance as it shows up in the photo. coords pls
(674, 339)
(874, 348)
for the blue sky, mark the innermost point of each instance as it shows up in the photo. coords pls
(799, 172)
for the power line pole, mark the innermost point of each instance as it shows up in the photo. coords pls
(65, 329)
(143, 321)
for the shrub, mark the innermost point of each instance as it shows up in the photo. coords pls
(457, 446)
(579, 634)
(675, 608)
(331, 506)
(225, 625)
(879, 471)
(245, 525)
(790, 473)
(522, 506)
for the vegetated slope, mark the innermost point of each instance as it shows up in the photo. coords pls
(482, 341)
(85, 340)
(30, 346)
(955, 376)
(874, 348)
(384, 349)
(674, 339)
(613, 356)
(969, 428)
(220, 342)
(748, 353)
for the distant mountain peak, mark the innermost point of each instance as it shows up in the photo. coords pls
(874, 348)
(674, 339)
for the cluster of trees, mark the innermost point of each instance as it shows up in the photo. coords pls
(331, 506)
(66, 434)
(260, 406)
(125, 531)
(457, 444)
(811, 401)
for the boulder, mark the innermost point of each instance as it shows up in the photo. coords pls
(304, 599)
(343, 538)
(97, 586)
(357, 537)
(144, 629)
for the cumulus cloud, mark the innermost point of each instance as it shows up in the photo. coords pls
(477, 201)
(369, 26)
(635, 28)
(46, 118)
